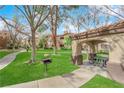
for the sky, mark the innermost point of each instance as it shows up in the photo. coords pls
(9, 11)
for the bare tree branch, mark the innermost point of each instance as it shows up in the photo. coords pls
(113, 11)
(13, 26)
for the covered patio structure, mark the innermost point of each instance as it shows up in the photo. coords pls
(112, 34)
(93, 50)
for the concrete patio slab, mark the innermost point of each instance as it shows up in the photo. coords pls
(96, 70)
(79, 77)
(116, 72)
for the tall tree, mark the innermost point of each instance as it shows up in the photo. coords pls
(54, 10)
(35, 16)
(57, 14)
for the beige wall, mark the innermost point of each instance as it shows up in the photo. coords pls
(116, 53)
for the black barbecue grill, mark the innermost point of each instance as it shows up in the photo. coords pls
(46, 62)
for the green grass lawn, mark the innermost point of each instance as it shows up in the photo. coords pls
(4, 53)
(102, 82)
(51, 51)
(19, 71)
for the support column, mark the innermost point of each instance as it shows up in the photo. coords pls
(116, 53)
(76, 53)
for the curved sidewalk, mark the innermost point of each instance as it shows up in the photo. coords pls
(7, 59)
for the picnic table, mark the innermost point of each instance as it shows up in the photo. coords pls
(100, 61)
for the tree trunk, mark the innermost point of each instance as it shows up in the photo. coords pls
(55, 26)
(43, 45)
(13, 48)
(33, 46)
(53, 30)
(55, 46)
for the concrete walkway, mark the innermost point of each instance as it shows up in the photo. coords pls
(72, 80)
(116, 72)
(7, 59)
